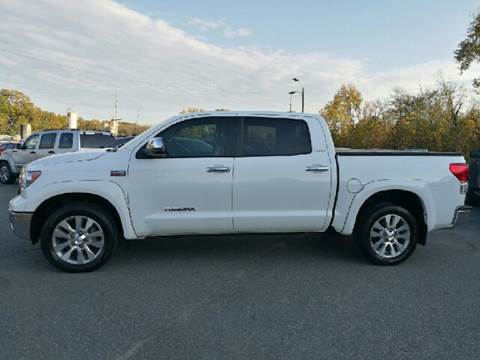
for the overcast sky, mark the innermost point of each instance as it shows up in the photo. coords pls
(162, 56)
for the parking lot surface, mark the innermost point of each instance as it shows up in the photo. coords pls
(244, 297)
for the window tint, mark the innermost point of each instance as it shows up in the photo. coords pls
(66, 141)
(31, 142)
(207, 137)
(48, 141)
(269, 137)
(96, 141)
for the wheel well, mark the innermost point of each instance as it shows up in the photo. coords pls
(405, 199)
(50, 205)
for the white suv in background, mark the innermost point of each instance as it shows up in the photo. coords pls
(47, 143)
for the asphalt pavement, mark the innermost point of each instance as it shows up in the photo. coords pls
(244, 297)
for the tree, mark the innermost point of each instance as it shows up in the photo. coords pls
(342, 113)
(468, 51)
(190, 109)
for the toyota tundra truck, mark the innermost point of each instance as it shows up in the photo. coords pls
(235, 172)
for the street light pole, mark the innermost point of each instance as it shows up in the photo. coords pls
(303, 93)
(291, 95)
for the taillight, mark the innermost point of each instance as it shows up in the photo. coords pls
(460, 170)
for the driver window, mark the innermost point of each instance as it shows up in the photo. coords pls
(32, 142)
(205, 137)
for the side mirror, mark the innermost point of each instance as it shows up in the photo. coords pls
(155, 148)
(20, 146)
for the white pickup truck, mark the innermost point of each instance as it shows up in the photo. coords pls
(235, 172)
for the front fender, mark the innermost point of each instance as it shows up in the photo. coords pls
(344, 221)
(31, 200)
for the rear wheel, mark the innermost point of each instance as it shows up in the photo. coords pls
(79, 237)
(6, 175)
(387, 234)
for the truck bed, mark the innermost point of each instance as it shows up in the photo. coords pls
(381, 152)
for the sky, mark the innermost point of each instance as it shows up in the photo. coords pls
(162, 56)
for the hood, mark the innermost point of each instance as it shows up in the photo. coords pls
(67, 158)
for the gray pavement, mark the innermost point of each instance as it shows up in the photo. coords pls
(244, 297)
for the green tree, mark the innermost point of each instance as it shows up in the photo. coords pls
(342, 113)
(468, 51)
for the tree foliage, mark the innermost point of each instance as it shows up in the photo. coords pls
(17, 109)
(436, 119)
(468, 51)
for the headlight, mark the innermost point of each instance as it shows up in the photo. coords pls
(27, 178)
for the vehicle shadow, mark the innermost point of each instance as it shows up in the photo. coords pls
(321, 246)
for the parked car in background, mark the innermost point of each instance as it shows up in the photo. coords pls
(47, 143)
(122, 140)
(7, 146)
(245, 172)
(473, 195)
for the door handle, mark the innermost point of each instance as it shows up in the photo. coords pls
(33, 152)
(218, 168)
(51, 152)
(317, 168)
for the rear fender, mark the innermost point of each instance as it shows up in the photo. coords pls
(344, 222)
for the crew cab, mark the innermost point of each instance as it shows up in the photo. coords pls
(235, 172)
(47, 143)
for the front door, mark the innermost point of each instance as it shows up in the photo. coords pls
(190, 189)
(283, 178)
(27, 153)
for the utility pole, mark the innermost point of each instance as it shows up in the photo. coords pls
(115, 115)
(291, 95)
(303, 93)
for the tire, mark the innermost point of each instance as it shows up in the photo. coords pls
(79, 237)
(6, 174)
(391, 245)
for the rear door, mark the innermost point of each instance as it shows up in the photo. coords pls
(283, 176)
(65, 143)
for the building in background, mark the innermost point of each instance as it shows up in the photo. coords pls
(112, 126)
(72, 119)
(25, 131)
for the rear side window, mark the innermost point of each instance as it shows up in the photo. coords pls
(48, 141)
(66, 141)
(96, 141)
(275, 137)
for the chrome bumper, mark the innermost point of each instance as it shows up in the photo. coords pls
(458, 211)
(20, 223)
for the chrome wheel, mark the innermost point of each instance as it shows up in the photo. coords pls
(78, 240)
(390, 236)
(4, 173)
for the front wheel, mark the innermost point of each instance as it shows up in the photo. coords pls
(6, 175)
(387, 234)
(79, 237)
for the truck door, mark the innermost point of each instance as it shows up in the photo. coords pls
(283, 176)
(65, 143)
(27, 153)
(190, 189)
(47, 145)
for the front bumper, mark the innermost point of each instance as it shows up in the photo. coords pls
(20, 223)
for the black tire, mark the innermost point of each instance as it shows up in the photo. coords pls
(101, 216)
(6, 174)
(362, 234)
